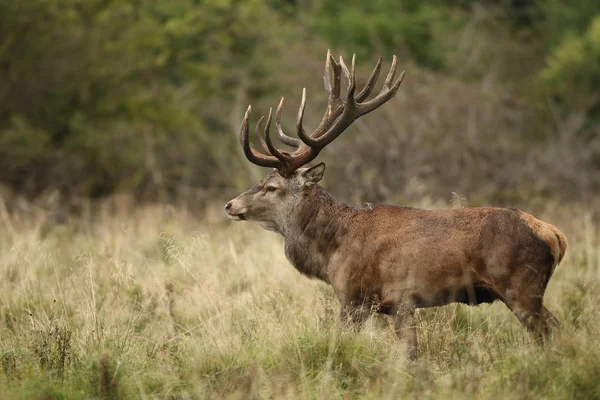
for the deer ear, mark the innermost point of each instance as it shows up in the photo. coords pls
(314, 174)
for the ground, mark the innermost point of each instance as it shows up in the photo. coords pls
(160, 302)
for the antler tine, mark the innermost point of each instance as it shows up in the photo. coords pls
(252, 155)
(396, 84)
(334, 101)
(350, 78)
(352, 85)
(299, 128)
(327, 75)
(243, 135)
(272, 149)
(290, 141)
(382, 97)
(259, 137)
(335, 68)
(370, 83)
(390, 76)
(345, 69)
(332, 66)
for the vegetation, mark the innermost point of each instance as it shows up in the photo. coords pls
(101, 97)
(118, 124)
(94, 92)
(156, 303)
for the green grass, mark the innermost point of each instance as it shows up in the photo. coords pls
(159, 304)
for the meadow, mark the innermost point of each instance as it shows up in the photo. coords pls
(162, 302)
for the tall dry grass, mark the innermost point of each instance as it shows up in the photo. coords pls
(159, 303)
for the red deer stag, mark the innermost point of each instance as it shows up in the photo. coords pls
(389, 258)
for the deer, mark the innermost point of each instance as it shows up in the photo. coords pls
(392, 259)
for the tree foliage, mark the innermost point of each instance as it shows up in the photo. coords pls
(114, 94)
(419, 28)
(129, 95)
(572, 71)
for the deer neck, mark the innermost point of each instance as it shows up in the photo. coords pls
(314, 231)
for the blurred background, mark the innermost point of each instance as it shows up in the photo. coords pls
(143, 98)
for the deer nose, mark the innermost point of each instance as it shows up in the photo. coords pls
(228, 207)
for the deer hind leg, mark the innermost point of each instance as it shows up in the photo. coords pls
(532, 314)
(405, 327)
(550, 319)
(523, 293)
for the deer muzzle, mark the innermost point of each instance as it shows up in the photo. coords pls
(234, 211)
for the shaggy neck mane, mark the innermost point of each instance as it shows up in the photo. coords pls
(317, 226)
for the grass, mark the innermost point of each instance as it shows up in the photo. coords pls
(157, 303)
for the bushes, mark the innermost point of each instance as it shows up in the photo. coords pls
(146, 97)
(572, 75)
(382, 26)
(120, 95)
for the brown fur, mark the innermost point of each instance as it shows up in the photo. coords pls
(395, 259)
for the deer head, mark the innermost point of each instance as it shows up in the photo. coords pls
(272, 199)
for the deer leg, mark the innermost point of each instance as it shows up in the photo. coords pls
(532, 315)
(406, 329)
(353, 316)
(526, 302)
(550, 319)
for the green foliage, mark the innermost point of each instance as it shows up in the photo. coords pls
(572, 71)
(557, 19)
(114, 94)
(98, 97)
(384, 26)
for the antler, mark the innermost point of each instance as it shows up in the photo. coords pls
(340, 113)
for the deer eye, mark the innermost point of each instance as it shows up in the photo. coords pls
(271, 188)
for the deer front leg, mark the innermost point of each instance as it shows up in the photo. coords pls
(405, 326)
(353, 316)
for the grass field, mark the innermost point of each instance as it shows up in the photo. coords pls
(160, 303)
